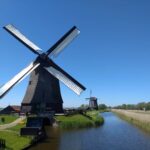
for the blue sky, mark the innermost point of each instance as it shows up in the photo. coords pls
(111, 56)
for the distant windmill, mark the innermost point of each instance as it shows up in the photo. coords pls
(92, 101)
(43, 92)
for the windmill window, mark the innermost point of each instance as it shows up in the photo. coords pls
(30, 82)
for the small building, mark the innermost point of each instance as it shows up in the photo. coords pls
(11, 109)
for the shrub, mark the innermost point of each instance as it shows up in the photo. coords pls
(2, 119)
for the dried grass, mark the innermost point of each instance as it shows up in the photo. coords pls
(139, 118)
(135, 114)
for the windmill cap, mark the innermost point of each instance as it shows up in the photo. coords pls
(93, 98)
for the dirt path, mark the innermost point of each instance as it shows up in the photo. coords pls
(12, 124)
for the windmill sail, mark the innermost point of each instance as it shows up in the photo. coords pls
(64, 77)
(63, 42)
(16, 79)
(19, 36)
(44, 60)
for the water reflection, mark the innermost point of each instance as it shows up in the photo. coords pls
(52, 142)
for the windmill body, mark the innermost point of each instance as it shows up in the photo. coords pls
(93, 103)
(43, 91)
(42, 94)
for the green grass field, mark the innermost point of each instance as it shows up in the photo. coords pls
(7, 119)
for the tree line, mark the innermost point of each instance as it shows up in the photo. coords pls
(139, 106)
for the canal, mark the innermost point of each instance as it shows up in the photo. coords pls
(115, 134)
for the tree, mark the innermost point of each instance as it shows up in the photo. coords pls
(102, 106)
(141, 105)
(84, 106)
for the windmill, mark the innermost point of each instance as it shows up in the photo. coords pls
(92, 101)
(43, 91)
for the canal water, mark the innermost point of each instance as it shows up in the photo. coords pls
(115, 134)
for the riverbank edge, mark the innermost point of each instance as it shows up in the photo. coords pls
(80, 121)
(143, 125)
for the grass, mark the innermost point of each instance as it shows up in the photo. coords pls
(96, 117)
(7, 119)
(14, 141)
(80, 121)
(145, 125)
(74, 121)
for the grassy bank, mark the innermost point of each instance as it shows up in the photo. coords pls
(77, 121)
(137, 121)
(96, 117)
